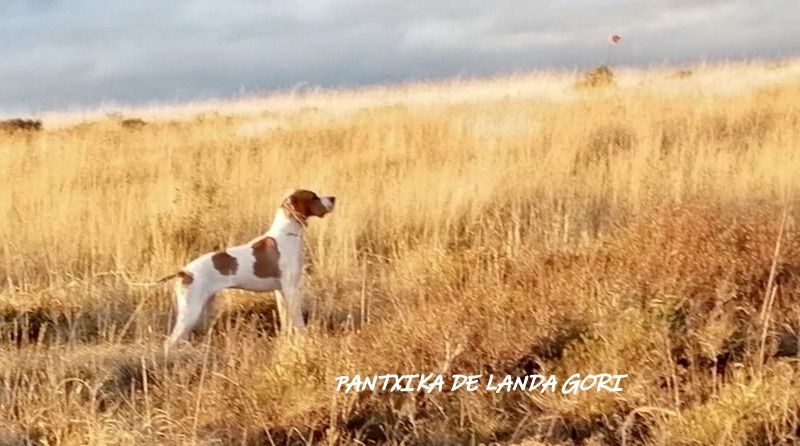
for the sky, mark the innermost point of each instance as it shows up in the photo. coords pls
(62, 55)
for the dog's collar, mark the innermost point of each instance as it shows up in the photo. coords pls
(292, 234)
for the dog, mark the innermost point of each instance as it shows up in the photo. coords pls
(272, 261)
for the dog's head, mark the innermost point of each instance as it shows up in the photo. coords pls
(302, 204)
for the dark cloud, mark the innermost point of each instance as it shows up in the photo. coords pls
(59, 54)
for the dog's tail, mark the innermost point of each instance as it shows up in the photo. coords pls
(160, 281)
(185, 276)
(167, 277)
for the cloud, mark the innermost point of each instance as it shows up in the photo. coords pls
(60, 53)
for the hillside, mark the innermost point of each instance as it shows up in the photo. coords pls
(513, 225)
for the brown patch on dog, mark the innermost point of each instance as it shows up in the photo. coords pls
(225, 263)
(186, 277)
(306, 204)
(266, 254)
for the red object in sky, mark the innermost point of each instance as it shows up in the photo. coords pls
(614, 39)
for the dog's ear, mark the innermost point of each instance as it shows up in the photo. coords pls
(302, 202)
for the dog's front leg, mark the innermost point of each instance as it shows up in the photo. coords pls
(280, 304)
(293, 300)
(296, 310)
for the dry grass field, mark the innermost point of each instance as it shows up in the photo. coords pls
(509, 226)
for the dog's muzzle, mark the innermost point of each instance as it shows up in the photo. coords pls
(328, 202)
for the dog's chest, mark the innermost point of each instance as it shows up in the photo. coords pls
(290, 259)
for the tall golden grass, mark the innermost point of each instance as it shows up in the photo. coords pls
(511, 225)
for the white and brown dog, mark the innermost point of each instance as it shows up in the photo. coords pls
(270, 262)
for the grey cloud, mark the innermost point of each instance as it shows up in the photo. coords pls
(59, 53)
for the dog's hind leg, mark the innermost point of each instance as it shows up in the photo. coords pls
(191, 302)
